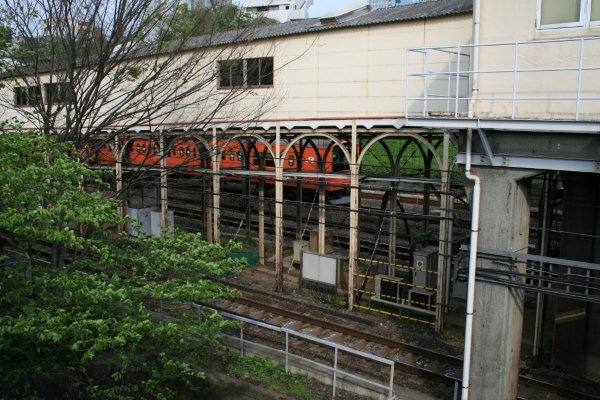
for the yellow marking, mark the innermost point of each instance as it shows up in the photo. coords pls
(395, 265)
(570, 316)
(396, 282)
(413, 319)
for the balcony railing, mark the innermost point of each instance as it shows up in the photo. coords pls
(543, 79)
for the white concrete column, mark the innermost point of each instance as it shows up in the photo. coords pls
(164, 207)
(354, 239)
(216, 206)
(278, 210)
(444, 248)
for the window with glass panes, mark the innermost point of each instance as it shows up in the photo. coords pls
(244, 73)
(568, 13)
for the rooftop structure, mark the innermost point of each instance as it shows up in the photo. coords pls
(392, 3)
(280, 10)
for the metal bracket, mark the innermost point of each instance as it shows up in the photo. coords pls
(486, 146)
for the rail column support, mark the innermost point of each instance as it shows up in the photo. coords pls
(278, 210)
(498, 317)
(261, 222)
(121, 207)
(216, 206)
(444, 236)
(164, 205)
(354, 194)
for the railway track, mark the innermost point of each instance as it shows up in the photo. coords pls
(425, 369)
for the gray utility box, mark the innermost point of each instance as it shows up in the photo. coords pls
(155, 223)
(320, 268)
(140, 226)
(424, 273)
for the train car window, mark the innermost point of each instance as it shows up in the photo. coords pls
(339, 161)
(150, 149)
(187, 151)
(223, 156)
(143, 148)
(269, 162)
(231, 155)
(181, 152)
(291, 161)
(256, 158)
(194, 152)
(239, 156)
(137, 147)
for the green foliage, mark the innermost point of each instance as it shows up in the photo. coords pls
(271, 375)
(89, 329)
(197, 21)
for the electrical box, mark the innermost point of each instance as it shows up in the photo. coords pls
(320, 268)
(424, 273)
(299, 247)
(390, 288)
(155, 223)
(140, 226)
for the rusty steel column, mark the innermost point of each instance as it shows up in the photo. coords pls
(444, 247)
(164, 205)
(216, 206)
(354, 240)
(278, 210)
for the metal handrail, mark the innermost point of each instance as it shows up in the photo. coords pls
(459, 73)
(335, 346)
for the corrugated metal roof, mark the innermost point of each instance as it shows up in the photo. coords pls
(409, 12)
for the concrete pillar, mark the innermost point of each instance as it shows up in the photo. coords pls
(498, 319)
(393, 234)
(278, 210)
(354, 199)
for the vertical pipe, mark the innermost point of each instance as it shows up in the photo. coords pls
(164, 205)
(248, 190)
(278, 210)
(444, 253)
(449, 83)
(242, 340)
(472, 268)
(425, 88)
(475, 57)
(393, 228)
(287, 352)
(335, 361)
(515, 71)
(391, 391)
(539, 309)
(216, 188)
(322, 217)
(579, 77)
(406, 83)
(457, 89)
(354, 239)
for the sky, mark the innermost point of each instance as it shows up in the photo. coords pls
(322, 7)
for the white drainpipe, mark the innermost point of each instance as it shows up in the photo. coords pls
(472, 268)
(475, 211)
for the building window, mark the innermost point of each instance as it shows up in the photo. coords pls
(243, 73)
(59, 93)
(27, 96)
(568, 13)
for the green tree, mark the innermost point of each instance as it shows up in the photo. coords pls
(97, 327)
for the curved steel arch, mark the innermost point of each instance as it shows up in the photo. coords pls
(418, 138)
(325, 135)
(239, 135)
(119, 153)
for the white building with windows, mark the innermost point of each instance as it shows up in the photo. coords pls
(280, 10)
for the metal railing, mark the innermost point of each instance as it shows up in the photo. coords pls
(337, 348)
(443, 77)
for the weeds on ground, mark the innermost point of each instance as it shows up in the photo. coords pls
(272, 375)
